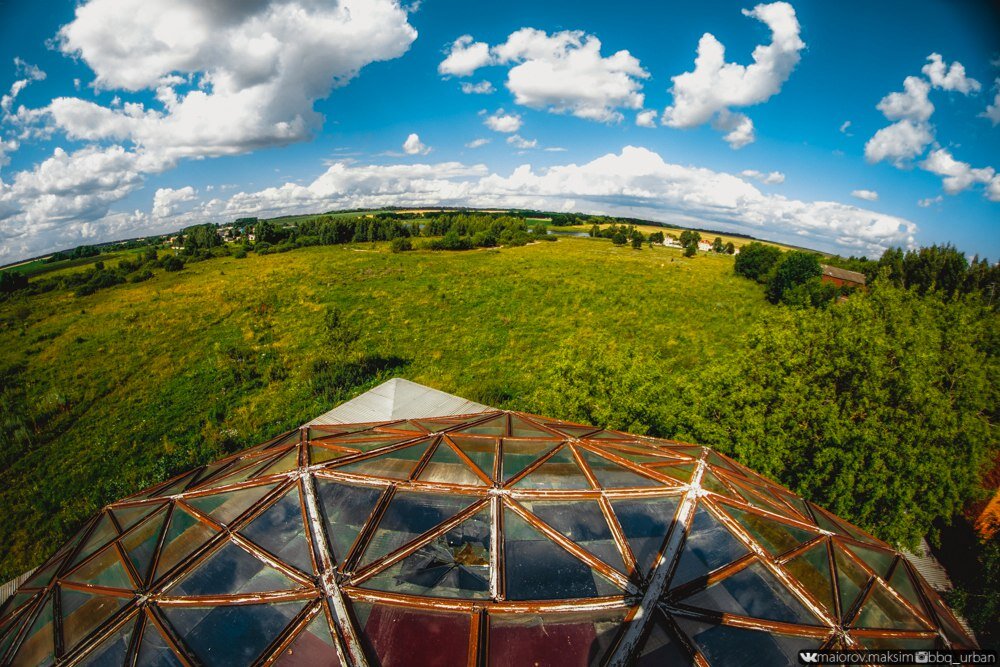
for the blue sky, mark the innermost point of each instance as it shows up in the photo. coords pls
(846, 127)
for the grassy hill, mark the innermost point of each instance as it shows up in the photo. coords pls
(117, 390)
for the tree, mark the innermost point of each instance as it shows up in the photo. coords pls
(882, 410)
(795, 268)
(172, 263)
(656, 238)
(595, 231)
(730, 248)
(689, 237)
(11, 281)
(690, 250)
(756, 260)
(637, 241)
(401, 244)
(266, 232)
(717, 245)
(619, 238)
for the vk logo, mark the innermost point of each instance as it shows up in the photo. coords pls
(808, 657)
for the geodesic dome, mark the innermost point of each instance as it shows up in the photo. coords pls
(498, 538)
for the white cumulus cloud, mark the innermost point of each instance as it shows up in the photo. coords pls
(517, 141)
(501, 121)
(477, 143)
(465, 56)
(646, 118)
(715, 86)
(867, 195)
(413, 145)
(167, 201)
(992, 112)
(955, 176)
(949, 78)
(769, 178)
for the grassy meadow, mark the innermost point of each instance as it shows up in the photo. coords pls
(120, 389)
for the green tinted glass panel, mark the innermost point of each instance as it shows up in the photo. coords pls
(495, 426)
(646, 524)
(539, 569)
(104, 569)
(446, 467)
(456, 564)
(184, 535)
(610, 475)
(573, 431)
(226, 507)
(140, 544)
(851, 579)
(288, 461)
(681, 472)
(480, 451)
(812, 569)
(519, 454)
(879, 561)
(903, 584)
(582, 522)
(322, 454)
(102, 534)
(129, 516)
(38, 645)
(397, 464)
(83, 612)
(522, 428)
(883, 612)
(281, 531)
(774, 536)
(558, 472)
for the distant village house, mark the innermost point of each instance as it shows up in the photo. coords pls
(842, 277)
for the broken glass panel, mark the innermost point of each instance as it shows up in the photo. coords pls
(851, 580)
(882, 611)
(411, 514)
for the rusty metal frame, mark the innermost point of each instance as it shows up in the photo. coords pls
(331, 588)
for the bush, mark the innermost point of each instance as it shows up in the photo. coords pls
(401, 244)
(690, 250)
(637, 242)
(619, 238)
(141, 276)
(241, 253)
(756, 260)
(172, 263)
(11, 281)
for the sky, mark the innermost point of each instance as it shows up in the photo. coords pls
(845, 127)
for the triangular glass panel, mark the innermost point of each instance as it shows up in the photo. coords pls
(901, 582)
(539, 569)
(288, 461)
(710, 482)
(397, 464)
(639, 455)
(753, 592)
(522, 428)
(82, 612)
(240, 471)
(447, 467)
(495, 426)
(44, 574)
(103, 533)
(660, 648)
(851, 580)
(12, 604)
(877, 560)
(319, 454)
(553, 639)
(129, 516)
(881, 611)
(731, 645)
(610, 475)
(433, 426)
(574, 431)
(707, 547)
(774, 536)
(582, 522)
(402, 426)
(207, 472)
(280, 530)
(455, 564)
(226, 507)
(9, 630)
(480, 451)
(608, 435)
(766, 503)
(411, 514)
(405, 636)
(682, 472)
(105, 569)
(346, 510)
(38, 646)
(560, 471)
(249, 629)
(646, 523)
(519, 454)
(140, 544)
(231, 570)
(826, 523)
(811, 568)
(184, 535)
(113, 650)
(366, 442)
(177, 486)
(313, 647)
(155, 650)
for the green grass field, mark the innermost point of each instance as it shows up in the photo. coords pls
(133, 383)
